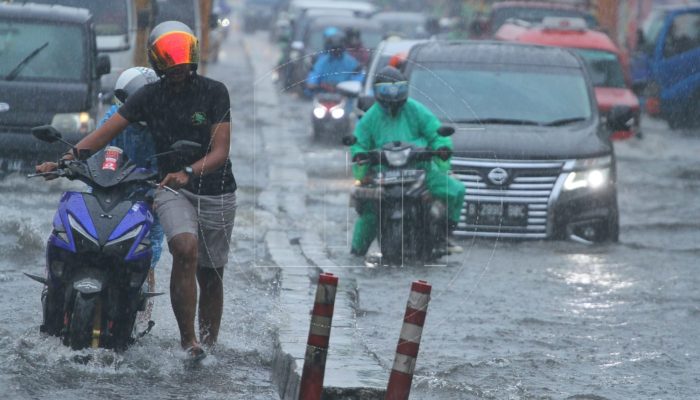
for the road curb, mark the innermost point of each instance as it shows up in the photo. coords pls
(350, 372)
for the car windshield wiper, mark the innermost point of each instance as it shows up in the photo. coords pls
(16, 70)
(564, 121)
(499, 121)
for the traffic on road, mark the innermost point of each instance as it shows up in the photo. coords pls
(375, 199)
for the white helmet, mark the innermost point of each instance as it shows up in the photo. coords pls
(131, 80)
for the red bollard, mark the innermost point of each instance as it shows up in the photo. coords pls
(399, 386)
(311, 385)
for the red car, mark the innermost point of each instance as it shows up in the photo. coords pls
(603, 58)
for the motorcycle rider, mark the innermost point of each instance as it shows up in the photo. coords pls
(334, 65)
(354, 46)
(198, 222)
(137, 144)
(395, 117)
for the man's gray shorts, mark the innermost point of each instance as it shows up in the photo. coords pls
(210, 218)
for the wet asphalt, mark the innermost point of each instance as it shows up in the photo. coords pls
(507, 319)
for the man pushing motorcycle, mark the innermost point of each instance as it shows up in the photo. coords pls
(198, 220)
(396, 118)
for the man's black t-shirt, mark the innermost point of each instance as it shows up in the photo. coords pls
(187, 114)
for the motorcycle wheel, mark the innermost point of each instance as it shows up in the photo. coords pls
(390, 243)
(85, 312)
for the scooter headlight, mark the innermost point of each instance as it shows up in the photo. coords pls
(319, 112)
(79, 228)
(337, 112)
(129, 235)
(397, 158)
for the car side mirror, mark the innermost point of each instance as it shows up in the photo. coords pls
(349, 88)
(104, 65)
(46, 133)
(620, 118)
(349, 140)
(446, 131)
(185, 146)
(365, 102)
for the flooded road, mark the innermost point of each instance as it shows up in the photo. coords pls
(507, 319)
(35, 367)
(536, 319)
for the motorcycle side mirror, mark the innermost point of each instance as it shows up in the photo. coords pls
(349, 140)
(185, 146)
(47, 133)
(349, 88)
(365, 102)
(446, 131)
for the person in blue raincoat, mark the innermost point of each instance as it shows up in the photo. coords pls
(334, 65)
(137, 143)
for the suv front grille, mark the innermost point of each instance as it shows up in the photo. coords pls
(517, 208)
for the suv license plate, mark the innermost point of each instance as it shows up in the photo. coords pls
(497, 214)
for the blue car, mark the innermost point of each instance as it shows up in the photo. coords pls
(665, 66)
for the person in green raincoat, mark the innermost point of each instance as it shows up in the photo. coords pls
(395, 117)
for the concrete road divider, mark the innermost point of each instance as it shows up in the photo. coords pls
(399, 386)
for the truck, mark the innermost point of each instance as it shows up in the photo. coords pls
(664, 65)
(49, 74)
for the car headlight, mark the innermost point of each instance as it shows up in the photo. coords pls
(593, 179)
(80, 122)
(397, 158)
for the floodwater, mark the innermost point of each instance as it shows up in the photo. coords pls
(507, 319)
(36, 367)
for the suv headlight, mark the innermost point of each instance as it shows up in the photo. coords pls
(592, 179)
(397, 158)
(590, 173)
(80, 122)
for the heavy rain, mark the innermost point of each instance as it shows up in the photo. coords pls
(377, 199)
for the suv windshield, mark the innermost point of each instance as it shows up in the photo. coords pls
(110, 17)
(62, 59)
(471, 93)
(604, 68)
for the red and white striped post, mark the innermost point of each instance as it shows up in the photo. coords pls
(311, 385)
(399, 386)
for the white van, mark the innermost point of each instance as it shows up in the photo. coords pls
(115, 26)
